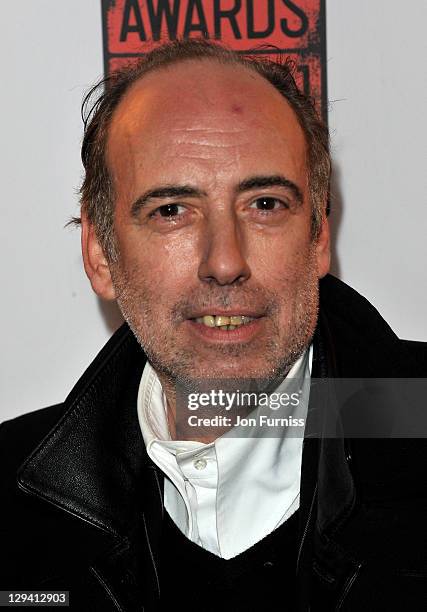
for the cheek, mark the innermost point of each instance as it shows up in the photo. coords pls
(275, 257)
(164, 264)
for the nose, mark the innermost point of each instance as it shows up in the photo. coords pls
(224, 258)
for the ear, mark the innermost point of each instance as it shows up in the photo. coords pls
(95, 262)
(323, 250)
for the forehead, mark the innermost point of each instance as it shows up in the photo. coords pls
(204, 109)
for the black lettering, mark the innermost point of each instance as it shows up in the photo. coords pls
(229, 14)
(252, 33)
(156, 17)
(132, 7)
(299, 13)
(303, 69)
(201, 25)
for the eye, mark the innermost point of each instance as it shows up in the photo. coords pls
(168, 211)
(268, 204)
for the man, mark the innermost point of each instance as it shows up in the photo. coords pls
(204, 216)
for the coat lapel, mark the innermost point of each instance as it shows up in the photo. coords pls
(93, 465)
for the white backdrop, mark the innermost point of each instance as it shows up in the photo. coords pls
(51, 50)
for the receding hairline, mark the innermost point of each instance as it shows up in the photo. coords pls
(177, 63)
(230, 61)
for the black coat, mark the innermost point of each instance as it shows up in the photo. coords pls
(81, 503)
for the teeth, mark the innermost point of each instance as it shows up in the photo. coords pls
(223, 322)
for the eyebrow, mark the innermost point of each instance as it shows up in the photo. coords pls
(167, 191)
(275, 180)
(253, 182)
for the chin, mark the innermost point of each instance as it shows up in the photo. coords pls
(234, 369)
(229, 370)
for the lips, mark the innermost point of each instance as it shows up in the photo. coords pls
(226, 326)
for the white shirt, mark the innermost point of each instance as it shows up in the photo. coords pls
(227, 495)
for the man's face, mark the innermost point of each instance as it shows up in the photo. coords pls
(213, 219)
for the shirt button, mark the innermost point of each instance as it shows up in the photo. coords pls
(200, 464)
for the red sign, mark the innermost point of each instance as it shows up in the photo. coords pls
(296, 28)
